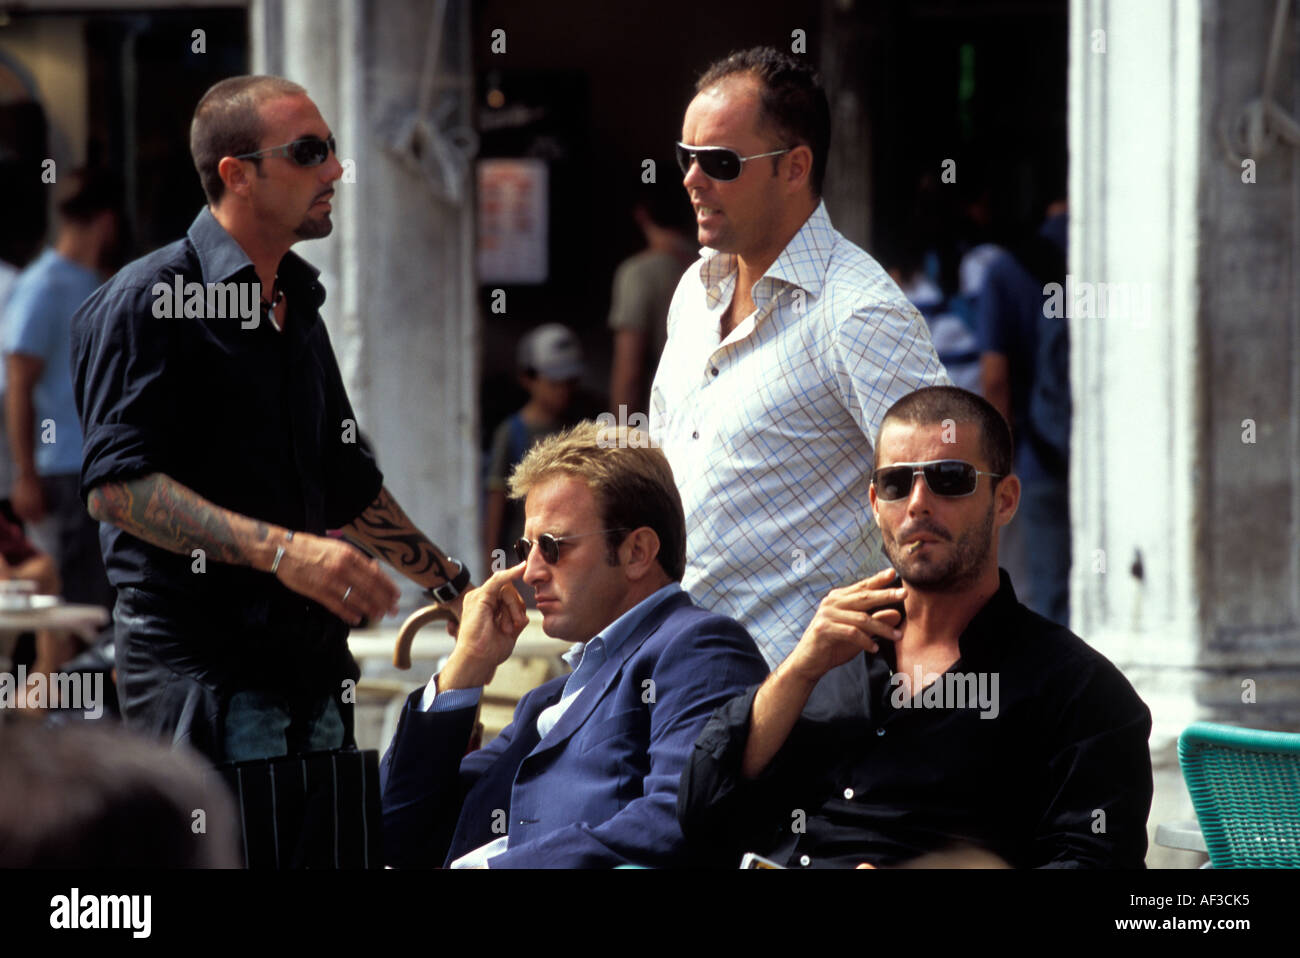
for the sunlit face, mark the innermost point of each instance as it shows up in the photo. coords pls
(581, 593)
(936, 542)
(288, 198)
(742, 215)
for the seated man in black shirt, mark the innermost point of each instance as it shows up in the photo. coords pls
(971, 723)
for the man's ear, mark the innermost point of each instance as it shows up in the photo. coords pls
(1006, 499)
(875, 509)
(640, 552)
(798, 168)
(234, 174)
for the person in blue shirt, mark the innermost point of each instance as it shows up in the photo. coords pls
(40, 409)
(1014, 368)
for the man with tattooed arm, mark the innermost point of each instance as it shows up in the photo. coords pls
(220, 447)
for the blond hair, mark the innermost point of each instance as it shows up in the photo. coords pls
(629, 478)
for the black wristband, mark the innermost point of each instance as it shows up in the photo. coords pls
(453, 587)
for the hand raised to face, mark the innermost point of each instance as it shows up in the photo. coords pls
(848, 621)
(492, 618)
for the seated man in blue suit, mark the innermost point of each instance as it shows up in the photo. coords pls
(586, 775)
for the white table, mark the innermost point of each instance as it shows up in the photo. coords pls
(82, 620)
(1185, 835)
(85, 620)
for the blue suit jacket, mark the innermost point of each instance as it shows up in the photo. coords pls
(601, 790)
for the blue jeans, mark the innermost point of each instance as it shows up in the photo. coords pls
(264, 724)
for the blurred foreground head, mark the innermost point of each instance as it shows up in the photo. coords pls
(98, 798)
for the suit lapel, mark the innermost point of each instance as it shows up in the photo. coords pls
(606, 676)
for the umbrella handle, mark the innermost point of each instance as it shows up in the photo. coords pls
(413, 624)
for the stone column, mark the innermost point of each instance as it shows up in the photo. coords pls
(1185, 538)
(394, 81)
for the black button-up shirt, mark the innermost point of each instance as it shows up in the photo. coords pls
(253, 419)
(1051, 769)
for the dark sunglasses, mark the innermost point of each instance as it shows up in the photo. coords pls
(550, 545)
(952, 478)
(717, 162)
(309, 151)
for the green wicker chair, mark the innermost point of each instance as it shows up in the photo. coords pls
(1245, 786)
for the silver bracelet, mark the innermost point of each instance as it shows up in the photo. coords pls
(279, 551)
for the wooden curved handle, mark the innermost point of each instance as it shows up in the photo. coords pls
(413, 624)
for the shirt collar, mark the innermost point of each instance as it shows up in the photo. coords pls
(984, 637)
(987, 632)
(803, 262)
(614, 634)
(221, 257)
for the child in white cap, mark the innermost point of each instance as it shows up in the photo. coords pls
(549, 363)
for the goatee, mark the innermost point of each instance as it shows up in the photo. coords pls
(963, 564)
(314, 227)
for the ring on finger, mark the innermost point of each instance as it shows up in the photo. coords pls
(346, 592)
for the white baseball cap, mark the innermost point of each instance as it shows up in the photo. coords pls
(552, 351)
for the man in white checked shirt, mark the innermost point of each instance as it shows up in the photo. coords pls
(786, 345)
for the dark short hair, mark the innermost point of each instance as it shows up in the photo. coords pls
(934, 404)
(793, 101)
(79, 796)
(226, 123)
(629, 478)
(94, 191)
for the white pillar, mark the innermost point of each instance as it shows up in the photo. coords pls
(398, 268)
(1134, 161)
(1160, 472)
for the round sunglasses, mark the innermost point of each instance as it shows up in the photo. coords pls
(951, 478)
(717, 162)
(308, 151)
(549, 545)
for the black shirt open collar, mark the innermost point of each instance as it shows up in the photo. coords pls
(985, 637)
(221, 257)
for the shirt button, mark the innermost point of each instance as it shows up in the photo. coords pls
(805, 861)
(880, 731)
(695, 435)
(848, 793)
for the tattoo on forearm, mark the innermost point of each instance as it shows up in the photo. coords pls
(387, 530)
(161, 511)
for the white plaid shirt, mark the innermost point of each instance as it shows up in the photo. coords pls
(770, 431)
